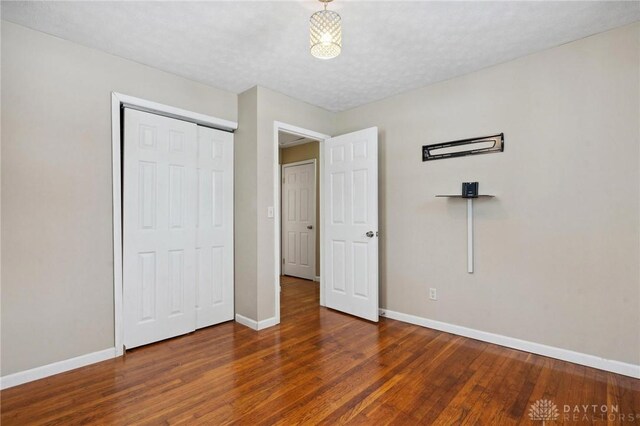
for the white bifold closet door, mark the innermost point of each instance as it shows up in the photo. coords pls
(214, 222)
(177, 227)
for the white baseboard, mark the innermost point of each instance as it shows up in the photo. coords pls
(256, 325)
(613, 366)
(317, 279)
(247, 322)
(269, 322)
(21, 377)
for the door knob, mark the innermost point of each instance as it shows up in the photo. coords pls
(309, 227)
(370, 234)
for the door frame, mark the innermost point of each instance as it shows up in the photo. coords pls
(118, 102)
(315, 183)
(277, 204)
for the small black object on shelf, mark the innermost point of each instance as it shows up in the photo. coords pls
(469, 189)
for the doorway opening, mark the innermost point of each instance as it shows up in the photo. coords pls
(298, 209)
(348, 231)
(300, 206)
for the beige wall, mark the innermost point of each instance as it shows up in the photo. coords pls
(557, 253)
(245, 207)
(307, 151)
(57, 279)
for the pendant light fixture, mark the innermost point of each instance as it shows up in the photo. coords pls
(325, 32)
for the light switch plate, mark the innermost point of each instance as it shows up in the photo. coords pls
(269, 211)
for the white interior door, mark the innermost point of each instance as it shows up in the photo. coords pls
(299, 220)
(214, 246)
(350, 191)
(159, 227)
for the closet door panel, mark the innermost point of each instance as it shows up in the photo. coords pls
(159, 227)
(215, 303)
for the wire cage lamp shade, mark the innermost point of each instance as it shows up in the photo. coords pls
(325, 32)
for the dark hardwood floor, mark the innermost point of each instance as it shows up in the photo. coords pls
(321, 367)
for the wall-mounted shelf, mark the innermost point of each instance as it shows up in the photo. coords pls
(469, 225)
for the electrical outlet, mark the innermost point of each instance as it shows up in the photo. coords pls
(432, 294)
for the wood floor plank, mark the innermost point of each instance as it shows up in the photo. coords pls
(318, 366)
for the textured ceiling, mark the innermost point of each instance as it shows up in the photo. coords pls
(388, 47)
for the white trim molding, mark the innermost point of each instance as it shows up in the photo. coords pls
(256, 325)
(37, 373)
(613, 366)
(317, 278)
(299, 131)
(116, 188)
(173, 112)
(118, 100)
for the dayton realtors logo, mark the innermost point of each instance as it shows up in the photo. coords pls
(546, 410)
(543, 409)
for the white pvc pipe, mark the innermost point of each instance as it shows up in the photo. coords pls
(470, 235)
